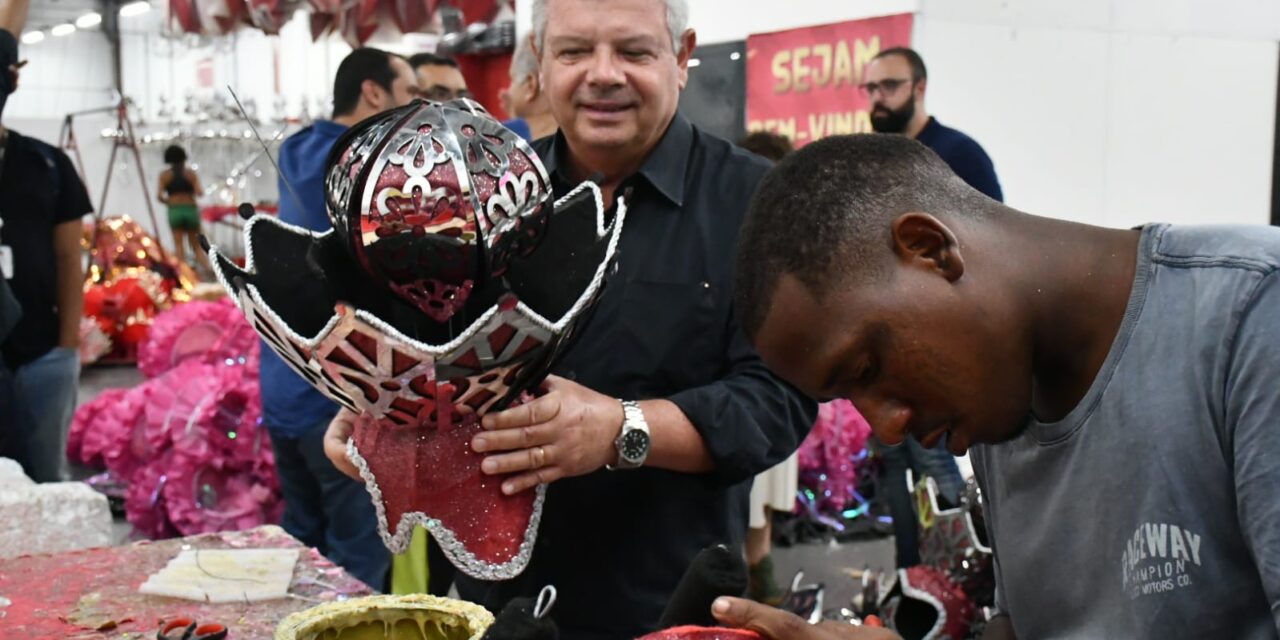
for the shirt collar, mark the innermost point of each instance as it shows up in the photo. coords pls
(930, 127)
(664, 168)
(329, 127)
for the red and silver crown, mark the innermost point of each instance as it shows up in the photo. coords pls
(445, 290)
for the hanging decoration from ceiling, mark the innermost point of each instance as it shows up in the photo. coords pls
(357, 20)
(472, 26)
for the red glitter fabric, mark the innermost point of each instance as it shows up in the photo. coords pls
(702, 633)
(72, 595)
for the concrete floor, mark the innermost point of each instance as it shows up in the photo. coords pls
(821, 563)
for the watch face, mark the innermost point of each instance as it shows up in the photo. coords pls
(635, 445)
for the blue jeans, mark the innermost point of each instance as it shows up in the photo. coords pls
(327, 510)
(43, 399)
(937, 463)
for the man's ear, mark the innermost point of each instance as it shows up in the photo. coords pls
(372, 94)
(688, 42)
(532, 87)
(537, 57)
(923, 241)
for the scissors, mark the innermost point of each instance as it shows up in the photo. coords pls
(186, 629)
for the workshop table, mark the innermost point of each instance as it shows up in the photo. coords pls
(93, 594)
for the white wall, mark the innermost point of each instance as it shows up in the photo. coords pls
(1114, 112)
(63, 74)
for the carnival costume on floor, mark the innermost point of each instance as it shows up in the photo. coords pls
(184, 449)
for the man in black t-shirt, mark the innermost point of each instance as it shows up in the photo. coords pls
(41, 202)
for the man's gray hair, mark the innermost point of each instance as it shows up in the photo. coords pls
(523, 64)
(677, 21)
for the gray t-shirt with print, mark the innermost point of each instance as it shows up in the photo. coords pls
(1153, 509)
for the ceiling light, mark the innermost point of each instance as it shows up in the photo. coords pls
(135, 8)
(32, 37)
(87, 20)
(64, 29)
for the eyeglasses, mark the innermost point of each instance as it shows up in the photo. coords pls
(441, 93)
(886, 87)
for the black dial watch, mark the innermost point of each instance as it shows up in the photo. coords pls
(633, 443)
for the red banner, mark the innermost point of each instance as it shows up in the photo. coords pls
(803, 83)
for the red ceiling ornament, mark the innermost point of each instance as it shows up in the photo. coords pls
(357, 21)
(269, 15)
(222, 16)
(411, 16)
(324, 15)
(185, 14)
(441, 294)
(476, 10)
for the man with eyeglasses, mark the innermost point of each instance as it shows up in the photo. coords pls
(439, 77)
(895, 81)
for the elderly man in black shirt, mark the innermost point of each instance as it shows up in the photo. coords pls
(662, 352)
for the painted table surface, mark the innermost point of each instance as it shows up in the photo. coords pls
(93, 594)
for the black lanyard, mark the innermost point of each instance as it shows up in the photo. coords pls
(4, 149)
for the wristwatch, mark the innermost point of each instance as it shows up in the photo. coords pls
(633, 443)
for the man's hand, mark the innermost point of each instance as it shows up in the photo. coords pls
(15, 71)
(335, 442)
(776, 624)
(569, 431)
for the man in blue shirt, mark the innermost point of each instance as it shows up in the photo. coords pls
(896, 81)
(324, 508)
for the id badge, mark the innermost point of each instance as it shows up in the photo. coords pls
(6, 261)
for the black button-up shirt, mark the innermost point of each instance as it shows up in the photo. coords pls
(615, 543)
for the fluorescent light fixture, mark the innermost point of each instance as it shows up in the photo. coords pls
(32, 37)
(87, 20)
(135, 8)
(693, 62)
(64, 29)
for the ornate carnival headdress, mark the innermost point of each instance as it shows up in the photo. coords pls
(445, 290)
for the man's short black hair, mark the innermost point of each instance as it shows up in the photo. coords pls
(365, 63)
(766, 144)
(823, 214)
(918, 71)
(418, 59)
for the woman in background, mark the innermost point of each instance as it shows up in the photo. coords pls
(179, 188)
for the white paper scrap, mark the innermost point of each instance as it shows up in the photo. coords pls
(225, 575)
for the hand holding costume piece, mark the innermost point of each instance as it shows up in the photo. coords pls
(568, 431)
(336, 437)
(776, 624)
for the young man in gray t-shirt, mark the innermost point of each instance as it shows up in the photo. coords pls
(1121, 388)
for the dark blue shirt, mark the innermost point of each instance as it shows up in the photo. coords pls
(290, 405)
(964, 155)
(519, 126)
